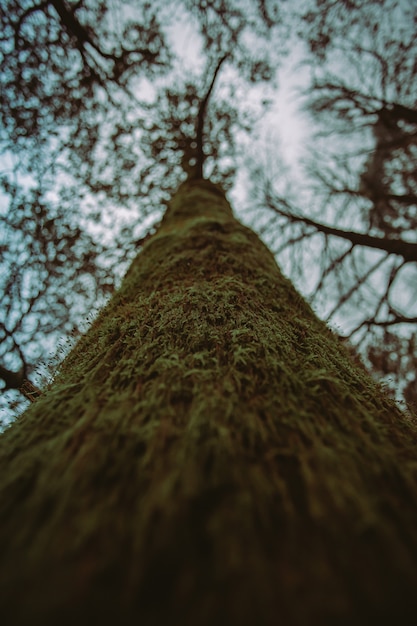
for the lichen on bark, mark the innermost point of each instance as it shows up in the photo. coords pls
(209, 454)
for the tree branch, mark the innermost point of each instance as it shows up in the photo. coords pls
(407, 250)
(84, 37)
(17, 380)
(13, 380)
(200, 156)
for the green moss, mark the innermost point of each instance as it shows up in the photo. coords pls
(209, 454)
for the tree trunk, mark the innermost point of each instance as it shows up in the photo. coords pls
(208, 455)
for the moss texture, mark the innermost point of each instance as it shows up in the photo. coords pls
(209, 454)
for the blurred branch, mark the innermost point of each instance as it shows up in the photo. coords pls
(359, 282)
(84, 38)
(333, 265)
(405, 249)
(17, 380)
(13, 380)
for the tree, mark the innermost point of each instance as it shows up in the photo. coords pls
(358, 222)
(92, 132)
(208, 454)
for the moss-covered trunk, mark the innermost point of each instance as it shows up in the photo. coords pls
(209, 455)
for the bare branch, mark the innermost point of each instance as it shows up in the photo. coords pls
(405, 249)
(359, 282)
(200, 121)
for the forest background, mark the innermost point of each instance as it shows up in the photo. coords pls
(311, 127)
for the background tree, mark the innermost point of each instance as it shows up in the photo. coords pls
(59, 76)
(357, 218)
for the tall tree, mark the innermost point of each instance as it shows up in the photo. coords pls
(98, 104)
(208, 454)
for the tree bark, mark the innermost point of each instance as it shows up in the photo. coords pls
(208, 455)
